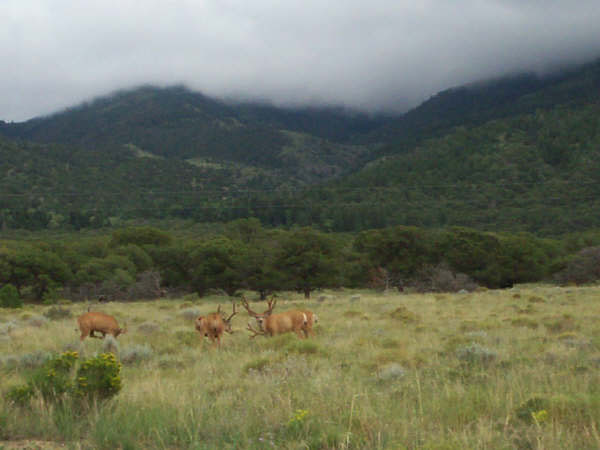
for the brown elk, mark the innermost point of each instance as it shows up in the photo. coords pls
(311, 319)
(213, 325)
(91, 322)
(285, 322)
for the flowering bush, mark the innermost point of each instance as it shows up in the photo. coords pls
(99, 377)
(54, 378)
(59, 378)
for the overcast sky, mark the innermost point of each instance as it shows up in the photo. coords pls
(365, 54)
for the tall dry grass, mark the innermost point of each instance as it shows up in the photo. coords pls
(515, 368)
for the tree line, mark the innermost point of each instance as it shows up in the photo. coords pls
(146, 262)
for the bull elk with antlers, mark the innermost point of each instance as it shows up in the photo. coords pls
(285, 322)
(213, 325)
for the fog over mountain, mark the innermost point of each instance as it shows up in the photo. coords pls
(382, 55)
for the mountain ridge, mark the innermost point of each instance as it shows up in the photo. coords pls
(158, 139)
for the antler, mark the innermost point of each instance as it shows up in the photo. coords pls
(256, 332)
(232, 314)
(245, 303)
(271, 303)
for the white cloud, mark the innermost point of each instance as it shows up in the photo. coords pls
(381, 54)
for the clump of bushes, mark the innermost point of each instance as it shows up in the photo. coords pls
(189, 338)
(257, 365)
(136, 353)
(582, 268)
(303, 347)
(55, 378)
(9, 297)
(170, 361)
(37, 321)
(524, 322)
(99, 378)
(6, 328)
(190, 314)
(24, 361)
(530, 410)
(391, 371)
(442, 279)
(403, 314)
(110, 345)
(476, 354)
(65, 377)
(350, 314)
(561, 324)
(57, 313)
(148, 327)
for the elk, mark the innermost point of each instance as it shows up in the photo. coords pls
(285, 322)
(311, 319)
(213, 325)
(90, 322)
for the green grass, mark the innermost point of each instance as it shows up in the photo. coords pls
(435, 371)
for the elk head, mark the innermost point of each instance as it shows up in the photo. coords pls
(227, 320)
(260, 318)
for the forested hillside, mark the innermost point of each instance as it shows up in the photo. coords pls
(538, 172)
(514, 154)
(177, 123)
(478, 103)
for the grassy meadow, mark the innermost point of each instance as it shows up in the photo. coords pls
(502, 369)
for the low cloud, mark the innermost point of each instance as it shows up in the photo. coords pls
(378, 55)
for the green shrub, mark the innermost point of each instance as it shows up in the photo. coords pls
(9, 297)
(303, 347)
(50, 297)
(404, 315)
(561, 324)
(57, 313)
(60, 378)
(189, 338)
(8, 327)
(99, 378)
(136, 353)
(527, 411)
(476, 354)
(20, 395)
(37, 321)
(257, 365)
(584, 267)
(55, 378)
(524, 322)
